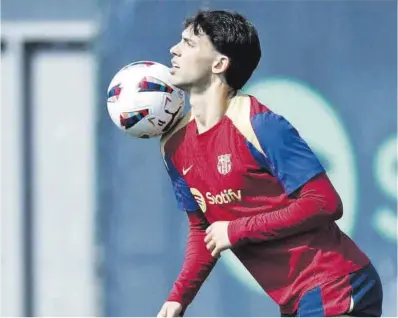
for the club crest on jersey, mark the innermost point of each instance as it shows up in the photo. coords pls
(224, 164)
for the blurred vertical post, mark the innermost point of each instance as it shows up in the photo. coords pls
(48, 159)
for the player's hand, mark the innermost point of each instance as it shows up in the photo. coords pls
(170, 309)
(217, 239)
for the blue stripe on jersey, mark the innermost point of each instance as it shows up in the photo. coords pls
(185, 199)
(311, 304)
(259, 157)
(367, 292)
(287, 155)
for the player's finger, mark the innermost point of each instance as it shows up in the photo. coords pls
(211, 245)
(208, 229)
(208, 238)
(216, 253)
(162, 312)
(171, 312)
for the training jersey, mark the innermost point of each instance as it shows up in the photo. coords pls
(252, 168)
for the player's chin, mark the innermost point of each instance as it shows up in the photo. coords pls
(173, 77)
(177, 82)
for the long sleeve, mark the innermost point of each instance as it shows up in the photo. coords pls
(198, 262)
(316, 203)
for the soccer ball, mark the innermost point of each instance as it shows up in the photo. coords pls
(141, 100)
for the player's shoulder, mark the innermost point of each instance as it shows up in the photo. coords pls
(240, 111)
(249, 115)
(243, 108)
(255, 121)
(172, 139)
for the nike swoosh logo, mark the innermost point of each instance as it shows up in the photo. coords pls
(185, 171)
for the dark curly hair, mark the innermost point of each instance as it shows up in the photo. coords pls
(232, 35)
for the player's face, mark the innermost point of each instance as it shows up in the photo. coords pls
(192, 60)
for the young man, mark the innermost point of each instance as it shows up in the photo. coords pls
(248, 182)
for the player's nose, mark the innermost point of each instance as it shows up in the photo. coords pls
(174, 50)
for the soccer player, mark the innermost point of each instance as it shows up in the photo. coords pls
(248, 182)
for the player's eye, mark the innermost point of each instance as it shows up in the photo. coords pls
(187, 42)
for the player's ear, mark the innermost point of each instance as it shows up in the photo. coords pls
(221, 64)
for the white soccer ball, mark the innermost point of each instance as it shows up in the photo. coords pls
(141, 100)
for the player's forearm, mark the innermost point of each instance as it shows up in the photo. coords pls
(197, 266)
(317, 203)
(198, 263)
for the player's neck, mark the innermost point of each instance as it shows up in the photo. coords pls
(209, 106)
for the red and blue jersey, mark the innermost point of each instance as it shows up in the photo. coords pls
(252, 168)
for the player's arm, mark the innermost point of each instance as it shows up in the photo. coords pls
(198, 261)
(315, 200)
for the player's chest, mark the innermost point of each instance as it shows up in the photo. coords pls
(216, 164)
